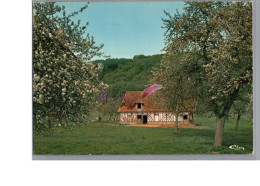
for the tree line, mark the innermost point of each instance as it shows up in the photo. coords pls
(127, 74)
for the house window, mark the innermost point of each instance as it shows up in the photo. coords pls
(129, 117)
(139, 117)
(139, 105)
(185, 117)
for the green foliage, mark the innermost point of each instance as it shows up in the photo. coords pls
(178, 91)
(109, 108)
(244, 102)
(128, 74)
(109, 139)
(65, 85)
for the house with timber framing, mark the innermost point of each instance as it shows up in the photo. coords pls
(137, 110)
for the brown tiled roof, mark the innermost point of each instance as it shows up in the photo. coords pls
(149, 103)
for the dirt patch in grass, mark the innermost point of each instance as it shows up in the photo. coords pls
(161, 125)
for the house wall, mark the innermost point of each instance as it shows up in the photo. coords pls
(163, 117)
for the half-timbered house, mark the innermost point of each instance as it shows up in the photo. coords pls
(137, 110)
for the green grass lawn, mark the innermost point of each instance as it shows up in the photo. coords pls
(100, 138)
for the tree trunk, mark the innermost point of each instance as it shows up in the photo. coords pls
(237, 122)
(219, 131)
(191, 118)
(177, 122)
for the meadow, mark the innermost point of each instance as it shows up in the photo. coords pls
(103, 138)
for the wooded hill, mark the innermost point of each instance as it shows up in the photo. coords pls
(128, 74)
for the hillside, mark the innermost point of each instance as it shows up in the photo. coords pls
(128, 74)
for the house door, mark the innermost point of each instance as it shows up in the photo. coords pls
(185, 119)
(144, 119)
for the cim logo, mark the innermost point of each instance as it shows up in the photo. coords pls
(236, 147)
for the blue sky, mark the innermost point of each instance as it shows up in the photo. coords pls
(126, 28)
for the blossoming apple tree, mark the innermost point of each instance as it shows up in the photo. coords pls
(66, 84)
(210, 45)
